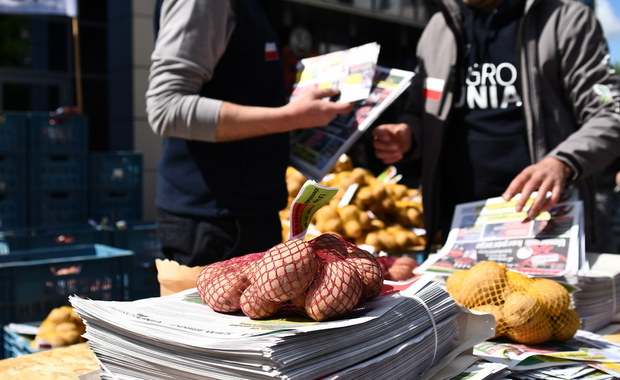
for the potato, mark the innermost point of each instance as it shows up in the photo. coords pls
(254, 306)
(369, 272)
(554, 297)
(400, 272)
(286, 270)
(485, 284)
(565, 325)
(222, 292)
(336, 291)
(536, 330)
(352, 229)
(520, 308)
(454, 286)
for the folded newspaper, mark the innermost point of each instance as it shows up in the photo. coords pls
(410, 331)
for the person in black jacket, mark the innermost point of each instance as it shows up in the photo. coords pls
(510, 97)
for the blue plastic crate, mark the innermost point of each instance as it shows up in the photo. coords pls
(33, 282)
(141, 239)
(16, 344)
(58, 171)
(13, 132)
(118, 169)
(32, 238)
(13, 170)
(58, 133)
(13, 208)
(115, 204)
(53, 208)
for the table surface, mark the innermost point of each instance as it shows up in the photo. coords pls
(63, 363)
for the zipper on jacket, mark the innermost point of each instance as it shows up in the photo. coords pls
(526, 81)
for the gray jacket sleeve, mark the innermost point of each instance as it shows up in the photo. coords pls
(594, 92)
(192, 37)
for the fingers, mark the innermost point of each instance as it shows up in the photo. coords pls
(325, 92)
(341, 107)
(391, 141)
(548, 178)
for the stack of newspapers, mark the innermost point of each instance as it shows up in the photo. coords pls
(597, 299)
(412, 331)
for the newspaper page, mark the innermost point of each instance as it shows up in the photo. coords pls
(585, 349)
(315, 151)
(491, 230)
(351, 71)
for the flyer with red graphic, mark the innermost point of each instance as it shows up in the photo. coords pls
(491, 230)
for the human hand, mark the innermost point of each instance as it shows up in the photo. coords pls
(548, 175)
(391, 142)
(311, 109)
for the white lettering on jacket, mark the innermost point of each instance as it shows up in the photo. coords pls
(491, 86)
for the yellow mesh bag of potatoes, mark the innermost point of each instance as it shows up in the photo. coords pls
(526, 310)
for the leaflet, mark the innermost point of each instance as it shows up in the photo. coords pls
(315, 151)
(491, 230)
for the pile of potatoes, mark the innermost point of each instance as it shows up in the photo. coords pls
(321, 279)
(526, 310)
(381, 215)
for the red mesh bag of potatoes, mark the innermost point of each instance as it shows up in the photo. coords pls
(321, 278)
(526, 310)
(221, 284)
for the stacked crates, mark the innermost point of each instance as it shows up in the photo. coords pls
(13, 170)
(115, 186)
(58, 169)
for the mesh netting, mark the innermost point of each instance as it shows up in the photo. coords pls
(527, 310)
(321, 278)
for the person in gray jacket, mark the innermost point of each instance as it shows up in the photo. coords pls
(510, 97)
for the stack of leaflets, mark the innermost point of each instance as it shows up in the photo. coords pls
(355, 72)
(597, 295)
(412, 330)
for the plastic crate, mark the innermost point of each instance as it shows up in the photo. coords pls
(32, 238)
(58, 171)
(16, 344)
(53, 208)
(58, 133)
(13, 132)
(119, 169)
(116, 204)
(33, 282)
(141, 239)
(13, 170)
(13, 208)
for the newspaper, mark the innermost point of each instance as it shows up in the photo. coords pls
(491, 230)
(351, 71)
(412, 327)
(584, 355)
(315, 151)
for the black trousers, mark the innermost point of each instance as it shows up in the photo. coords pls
(195, 241)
